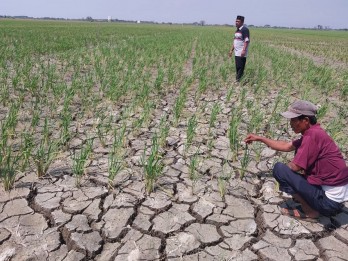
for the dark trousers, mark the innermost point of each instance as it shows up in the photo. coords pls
(294, 183)
(240, 65)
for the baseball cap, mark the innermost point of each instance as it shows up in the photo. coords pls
(300, 107)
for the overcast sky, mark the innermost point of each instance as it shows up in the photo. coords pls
(292, 13)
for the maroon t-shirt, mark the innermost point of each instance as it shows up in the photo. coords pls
(320, 157)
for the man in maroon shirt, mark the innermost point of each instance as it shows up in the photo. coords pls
(317, 177)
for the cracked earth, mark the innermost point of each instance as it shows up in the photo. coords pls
(208, 218)
(52, 219)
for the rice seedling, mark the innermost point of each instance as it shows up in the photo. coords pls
(255, 121)
(203, 83)
(230, 92)
(27, 148)
(80, 160)
(115, 165)
(101, 130)
(223, 179)
(159, 79)
(44, 156)
(193, 173)
(179, 105)
(322, 110)
(8, 168)
(233, 134)
(244, 162)
(46, 132)
(163, 130)
(213, 116)
(257, 149)
(65, 134)
(152, 164)
(11, 119)
(191, 131)
(116, 156)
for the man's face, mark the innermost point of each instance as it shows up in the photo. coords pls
(299, 126)
(239, 23)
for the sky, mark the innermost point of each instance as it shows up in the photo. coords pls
(288, 13)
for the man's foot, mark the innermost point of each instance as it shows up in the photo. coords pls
(298, 213)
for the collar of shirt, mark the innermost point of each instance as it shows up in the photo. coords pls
(240, 28)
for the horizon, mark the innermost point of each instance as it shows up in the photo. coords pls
(276, 13)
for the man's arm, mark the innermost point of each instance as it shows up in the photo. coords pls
(245, 47)
(231, 51)
(278, 145)
(296, 168)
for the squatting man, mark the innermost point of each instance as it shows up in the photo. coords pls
(317, 176)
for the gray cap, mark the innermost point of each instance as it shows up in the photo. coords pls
(299, 108)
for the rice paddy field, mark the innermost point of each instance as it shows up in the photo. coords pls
(92, 112)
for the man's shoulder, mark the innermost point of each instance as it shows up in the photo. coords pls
(318, 133)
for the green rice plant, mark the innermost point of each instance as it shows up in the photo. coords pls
(44, 156)
(8, 168)
(3, 138)
(46, 132)
(222, 186)
(80, 160)
(115, 165)
(193, 173)
(344, 90)
(257, 149)
(224, 72)
(153, 166)
(255, 120)
(35, 118)
(116, 156)
(213, 115)
(274, 115)
(163, 130)
(144, 118)
(100, 128)
(179, 105)
(119, 138)
(203, 84)
(223, 180)
(242, 96)
(27, 148)
(233, 134)
(191, 131)
(11, 119)
(245, 160)
(159, 79)
(322, 110)
(65, 134)
(336, 128)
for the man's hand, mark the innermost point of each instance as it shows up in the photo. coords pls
(279, 145)
(230, 53)
(243, 53)
(251, 137)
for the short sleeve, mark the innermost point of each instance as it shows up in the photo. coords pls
(307, 153)
(246, 34)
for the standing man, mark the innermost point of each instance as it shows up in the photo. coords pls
(240, 46)
(317, 177)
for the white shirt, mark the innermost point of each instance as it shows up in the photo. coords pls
(338, 194)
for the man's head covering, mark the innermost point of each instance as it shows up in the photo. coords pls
(239, 17)
(299, 108)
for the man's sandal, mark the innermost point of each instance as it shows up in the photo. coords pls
(298, 213)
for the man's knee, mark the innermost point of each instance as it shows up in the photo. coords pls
(279, 169)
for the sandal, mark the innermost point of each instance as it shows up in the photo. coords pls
(298, 213)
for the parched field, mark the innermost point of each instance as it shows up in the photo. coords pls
(125, 141)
